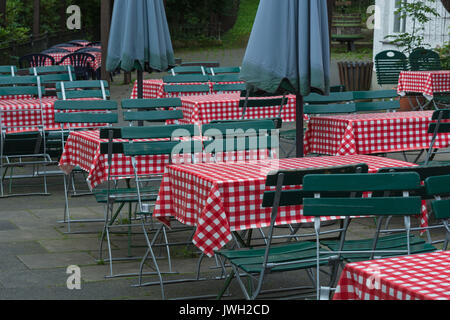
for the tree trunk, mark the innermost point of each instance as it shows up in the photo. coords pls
(62, 14)
(3, 12)
(36, 17)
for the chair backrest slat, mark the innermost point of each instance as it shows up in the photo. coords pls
(186, 78)
(334, 97)
(330, 108)
(378, 106)
(157, 132)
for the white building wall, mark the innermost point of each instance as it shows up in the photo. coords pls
(435, 34)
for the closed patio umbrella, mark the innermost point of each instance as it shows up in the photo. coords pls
(289, 51)
(139, 38)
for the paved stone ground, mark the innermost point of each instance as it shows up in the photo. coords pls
(36, 250)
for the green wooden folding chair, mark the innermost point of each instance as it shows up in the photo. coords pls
(257, 263)
(144, 192)
(82, 89)
(174, 90)
(389, 204)
(228, 87)
(228, 77)
(22, 145)
(439, 188)
(240, 136)
(69, 114)
(375, 95)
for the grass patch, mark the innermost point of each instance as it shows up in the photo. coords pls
(239, 34)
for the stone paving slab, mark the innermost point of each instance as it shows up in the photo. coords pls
(56, 260)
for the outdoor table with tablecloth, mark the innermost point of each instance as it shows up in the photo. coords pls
(26, 114)
(413, 277)
(371, 133)
(424, 82)
(154, 88)
(219, 198)
(83, 149)
(203, 109)
(60, 55)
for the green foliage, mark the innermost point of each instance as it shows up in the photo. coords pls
(444, 53)
(418, 13)
(240, 32)
(189, 19)
(19, 18)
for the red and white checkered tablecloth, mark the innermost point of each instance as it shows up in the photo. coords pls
(425, 82)
(154, 88)
(219, 198)
(204, 109)
(60, 55)
(25, 114)
(414, 277)
(83, 149)
(371, 133)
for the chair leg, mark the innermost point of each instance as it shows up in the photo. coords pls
(150, 251)
(226, 285)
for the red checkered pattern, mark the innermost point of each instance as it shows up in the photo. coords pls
(371, 133)
(414, 277)
(219, 198)
(60, 55)
(425, 82)
(26, 114)
(154, 88)
(83, 149)
(204, 109)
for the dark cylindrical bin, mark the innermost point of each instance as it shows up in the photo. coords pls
(356, 76)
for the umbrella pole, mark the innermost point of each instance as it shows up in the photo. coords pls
(299, 125)
(140, 90)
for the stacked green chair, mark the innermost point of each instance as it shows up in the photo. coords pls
(8, 71)
(421, 59)
(439, 188)
(259, 262)
(50, 75)
(388, 65)
(230, 77)
(70, 113)
(388, 204)
(22, 146)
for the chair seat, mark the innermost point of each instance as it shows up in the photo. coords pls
(250, 260)
(390, 242)
(127, 195)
